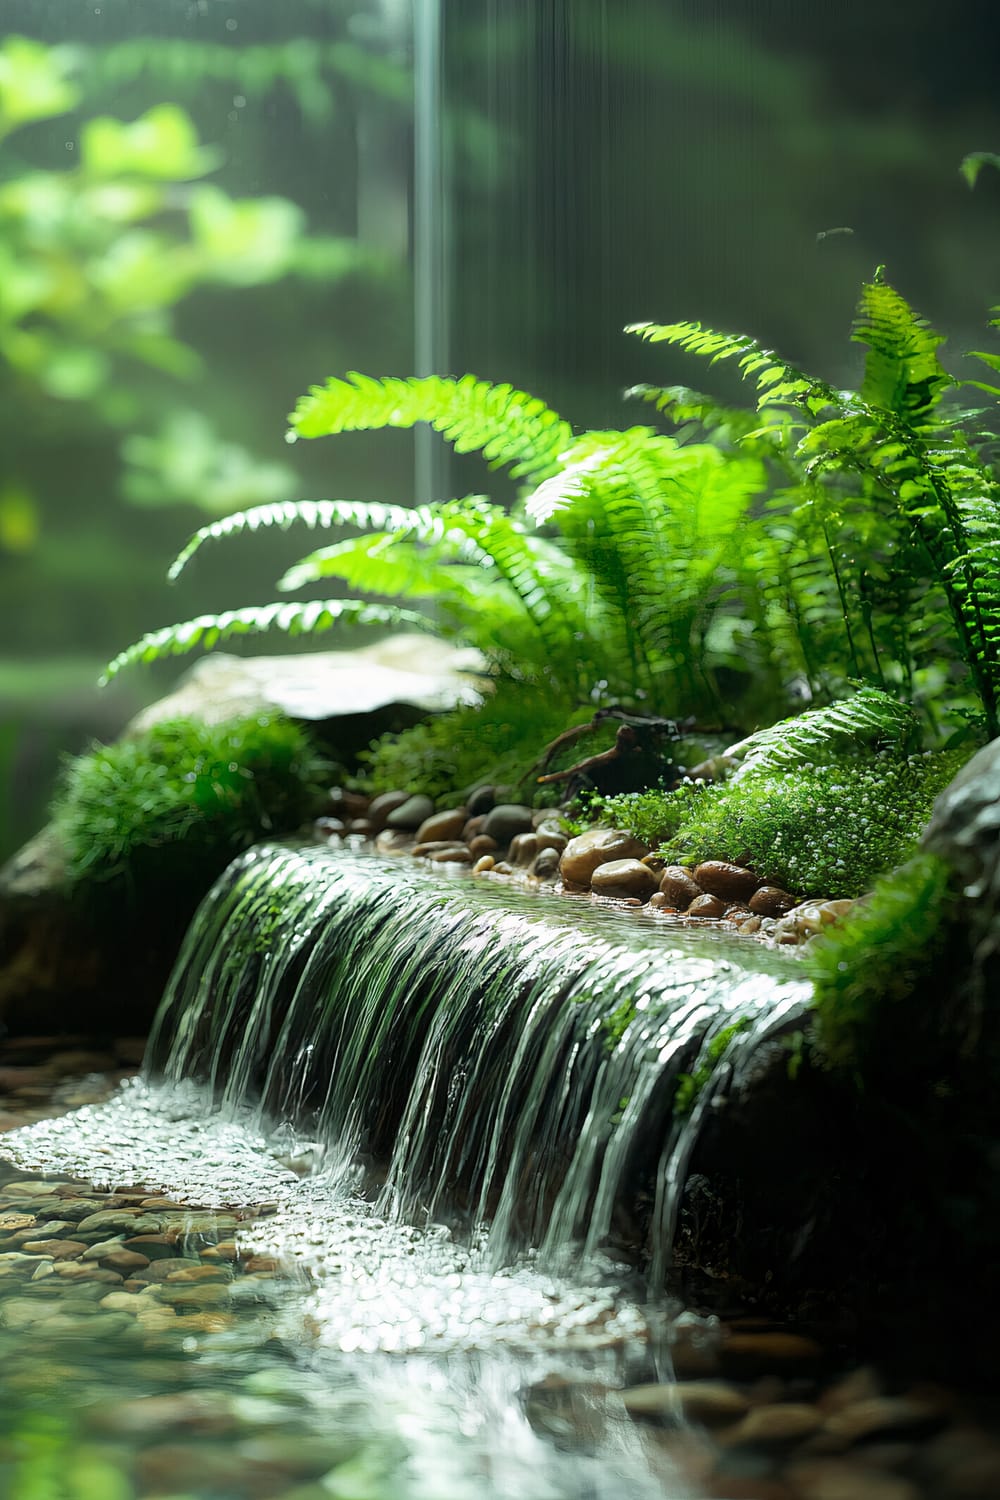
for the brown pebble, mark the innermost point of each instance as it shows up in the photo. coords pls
(481, 844)
(546, 865)
(523, 848)
(473, 829)
(598, 846)
(124, 1260)
(381, 806)
(771, 901)
(737, 913)
(58, 1249)
(720, 878)
(261, 1263)
(198, 1273)
(841, 1479)
(706, 906)
(446, 826)
(678, 887)
(751, 925)
(363, 826)
(884, 1416)
(624, 877)
(774, 1426)
(457, 854)
(710, 1402)
(224, 1250)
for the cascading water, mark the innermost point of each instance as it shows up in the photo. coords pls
(481, 1084)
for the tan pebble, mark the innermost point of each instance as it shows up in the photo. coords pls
(835, 911)
(502, 867)
(546, 865)
(425, 851)
(551, 838)
(44, 1268)
(623, 877)
(710, 1402)
(9, 1222)
(654, 862)
(737, 913)
(706, 906)
(523, 848)
(751, 925)
(124, 1260)
(458, 854)
(483, 863)
(774, 1426)
(209, 1322)
(598, 846)
(678, 886)
(659, 902)
(442, 825)
(79, 1270)
(121, 1301)
(198, 1274)
(164, 1204)
(770, 901)
(58, 1249)
(720, 878)
(885, 1415)
(261, 1263)
(205, 1295)
(482, 844)
(224, 1250)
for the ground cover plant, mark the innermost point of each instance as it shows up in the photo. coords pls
(181, 799)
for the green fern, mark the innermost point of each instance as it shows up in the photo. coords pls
(869, 718)
(510, 428)
(294, 619)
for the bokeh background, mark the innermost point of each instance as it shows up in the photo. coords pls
(208, 205)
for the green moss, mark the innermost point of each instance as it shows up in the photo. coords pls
(498, 741)
(815, 830)
(185, 796)
(690, 1085)
(867, 967)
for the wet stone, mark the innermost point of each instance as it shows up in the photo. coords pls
(58, 1249)
(770, 901)
(748, 1353)
(732, 882)
(624, 877)
(678, 887)
(598, 846)
(381, 806)
(409, 815)
(707, 906)
(885, 1416)
(117, 1221)
(442, 826)
(780, 1425)
(505, 821)
(710, 1402)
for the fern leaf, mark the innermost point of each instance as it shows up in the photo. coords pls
(395, 566)
(778, 382)
(870, 714)
(681, 404)
(902, 371)
(314, 514)
(509, 427)
(292, 618)
(974, 163)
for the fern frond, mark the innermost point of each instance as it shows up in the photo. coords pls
(509, 427)
(316, 514)
(681, 404)
(869, 715)
(973, 164)
(292, 618)
(393, 565)
(902, 371)
(778, 382)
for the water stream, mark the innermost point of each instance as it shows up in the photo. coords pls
(455, 1102)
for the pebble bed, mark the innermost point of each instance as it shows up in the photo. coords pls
(147, 1355)
(508, 841)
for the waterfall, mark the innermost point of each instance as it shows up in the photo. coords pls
(497, 1059)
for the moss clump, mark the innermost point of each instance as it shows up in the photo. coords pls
(690, 1085)
(816, 830)
(184, 797)
(867, 966)
(499, 741)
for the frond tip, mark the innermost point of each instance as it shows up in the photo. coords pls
(294, 619)
(509, 427)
